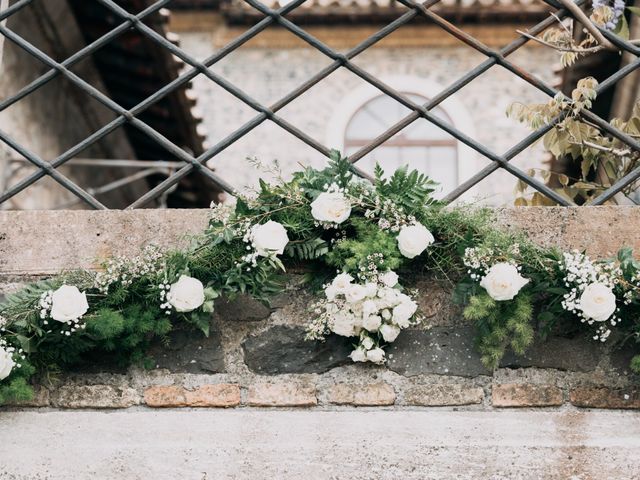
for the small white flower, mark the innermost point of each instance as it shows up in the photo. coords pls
(6, 363)
(376, 355)
(358, 355)
(414, 239)
(68, 304)
(269, 238)
(597, 302)
(367, 343)
(390, 278)
(186, 294)
(389, 332)
(331, 207)
(503, 281)
(403, 313)
(372, 322)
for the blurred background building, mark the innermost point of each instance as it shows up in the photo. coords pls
(342, 111)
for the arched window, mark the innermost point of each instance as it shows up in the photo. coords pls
(365, 113)
(422, 145)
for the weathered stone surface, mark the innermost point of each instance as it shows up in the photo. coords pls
(432, 297)
(526, 395)
(94, 396)
(609, 228)
(604, 397)
(437, 395)
(440, 350)
(189, 351)
(251, 444)
(243, 308)
(373, 394)
(219, 395)
(579, 354)
(283, 349)
(282, 394)
(621, 358)
(75, 239)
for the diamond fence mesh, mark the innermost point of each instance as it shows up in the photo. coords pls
(189, 162)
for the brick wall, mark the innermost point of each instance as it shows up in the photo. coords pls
(256, 356)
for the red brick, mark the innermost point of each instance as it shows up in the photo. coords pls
(526, 395)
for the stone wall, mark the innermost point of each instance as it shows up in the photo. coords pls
(268, 70)
(256, 356)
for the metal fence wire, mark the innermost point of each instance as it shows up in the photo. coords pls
(197, 163)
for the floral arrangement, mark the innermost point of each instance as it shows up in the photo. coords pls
(362, 245)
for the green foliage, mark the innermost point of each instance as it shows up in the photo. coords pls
(366, 240)
(15, 390)
(635, 364)
(501, 325)
(411, 190)
(309, 249)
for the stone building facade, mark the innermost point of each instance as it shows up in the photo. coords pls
(343, 112)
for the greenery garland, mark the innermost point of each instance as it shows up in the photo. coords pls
(362, 243)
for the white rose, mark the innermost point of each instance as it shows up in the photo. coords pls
(403, 312)
(390, 278)
(6, 363)
(413, 240)
(367, 343)
(597, 302)
(503, 281)
(344, 324)
(68, 303)
(331, 207)
(341, 282)
(389, 332)
(358, 355)
(186, 294)
(386, 314)
(269, 238)
(372, 322)
(355, 293)
(375, 355)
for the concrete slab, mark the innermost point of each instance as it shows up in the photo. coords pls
(310, 445)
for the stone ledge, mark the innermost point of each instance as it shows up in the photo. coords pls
(526, 395)
(75, 239)
(220, 396)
